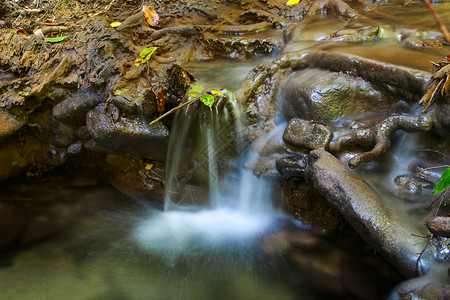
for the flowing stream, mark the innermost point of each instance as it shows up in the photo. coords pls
(217, 235)
(212, 203)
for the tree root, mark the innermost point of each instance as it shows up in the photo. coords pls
(379, 136)
(403, 79)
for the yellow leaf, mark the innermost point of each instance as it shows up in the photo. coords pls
(292, 2)
(148, 167)
(115, 24)
(217, 92)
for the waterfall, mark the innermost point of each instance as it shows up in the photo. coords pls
(212, 203)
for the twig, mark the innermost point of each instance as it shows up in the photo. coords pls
(438, 20)
(105, 9)
(173, 110)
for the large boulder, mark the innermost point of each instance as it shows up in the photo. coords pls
(315, 94)
(124, 135)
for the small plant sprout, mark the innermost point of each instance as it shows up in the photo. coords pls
(145, 55)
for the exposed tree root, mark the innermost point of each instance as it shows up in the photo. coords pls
(379, 136)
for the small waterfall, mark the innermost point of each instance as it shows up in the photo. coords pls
(212, 203)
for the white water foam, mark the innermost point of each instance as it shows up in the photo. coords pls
(238, 209)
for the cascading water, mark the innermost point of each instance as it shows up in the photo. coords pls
(212, 204)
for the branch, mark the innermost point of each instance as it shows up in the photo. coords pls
(438, 21)
(172, 111)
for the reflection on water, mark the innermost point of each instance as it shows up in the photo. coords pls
(396, 18)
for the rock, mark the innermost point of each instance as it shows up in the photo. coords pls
(73, 110)
(311, 135)
(362, 208)
(439, 226)
(292, 165)
(8, 124)
(12, 222)
(310, 208)
(443, 118)
(49, 130)
(314, 94)
(136, 178)
(9, 155)
(423, 291)
(413, 183)
(125, 135)
(75, 148)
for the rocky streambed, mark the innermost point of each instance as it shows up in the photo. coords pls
(331, 102)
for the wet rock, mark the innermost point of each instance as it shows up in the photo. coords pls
(263, 166)
(315, 94)
(367, 33)
(136, 178)
(8, 124)
(421, 39)
(245, 47)
(362, 208)
(292, 165)
(49, 130)
(312, 135)
(126, 135)
(75, 148)
(310, 208)
(9, 156)
(12, 222)
(73, 110)
(413, 183)
(439, 226)
(443, 118)
(429, 290)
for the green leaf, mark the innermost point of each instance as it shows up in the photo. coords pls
(196, 90)
(382, 33)
(292, 2)
(443, 183)
(24, 94)
(56, 39)
(145, 55)
(208, 100)
(120, 91)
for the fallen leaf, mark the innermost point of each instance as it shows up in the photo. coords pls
(148, 167)
(56, 39)
(196, 90)
(217, 92)
(22, 31)
(150, 16)
(208, 100)
(160, 101)
(115, 24)
(292, 2)
(443, 183)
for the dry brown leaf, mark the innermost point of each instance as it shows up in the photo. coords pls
(150, 16)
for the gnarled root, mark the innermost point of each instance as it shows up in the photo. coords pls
(379, 136)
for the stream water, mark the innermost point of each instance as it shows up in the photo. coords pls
(211, 239)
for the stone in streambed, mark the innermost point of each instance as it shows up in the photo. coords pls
(8, 124)
(292, 165)
(73, 110)
(413, 183)
(439, 226)
(315, 94)
(309, 134)
(125, 135)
